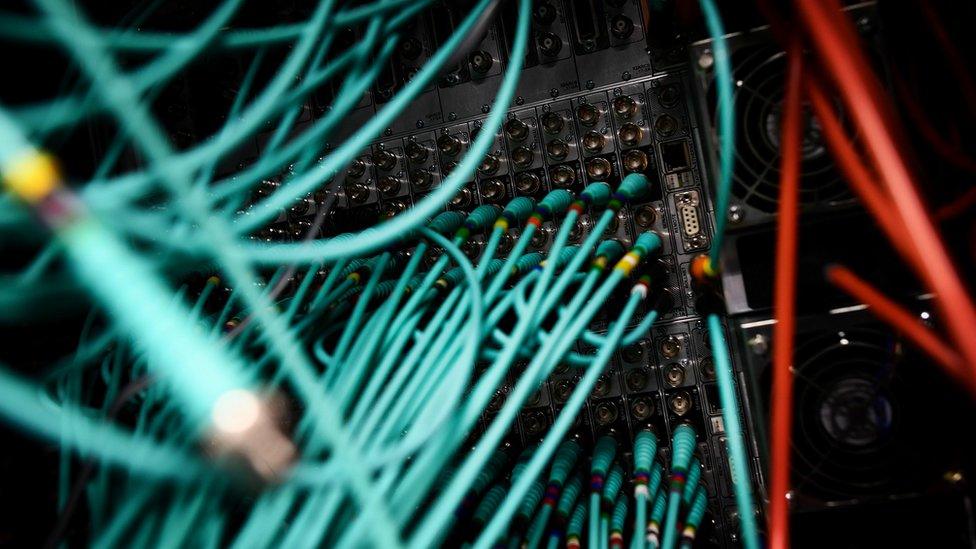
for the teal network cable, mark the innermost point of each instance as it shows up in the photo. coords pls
(735, 441)
(682, 447)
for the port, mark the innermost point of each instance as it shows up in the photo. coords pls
(471, 248)
(674, 155)
(480, 61)
(493, 190)
(680, 403)
(642, 408)
(635, 161)
(645, 216)
(621, 26)
(587, 114)
(602, 387)
(449, 144)
(670, 347)
(420, 179)
(605, 413)
(462, 199)
(594, 141)
(707, 367)
(416, 152)
(630, 134)
(357, 193)
(544, 13)
(588, 21)
(527, 183)
(632, 353)
(562, 176)
(356, 169)
(384, 160)
(549, 44)
(489, 165)
(637, 380)
(598, 169)
(665, 125)
(392, 208)
(674, 374)
(535, 422)
(516, 130)
(624, 106)
(522, 157)
(410, 49)
(669, 96)
(557, 149)
(552, 123)
(389, 185)
(687, 204)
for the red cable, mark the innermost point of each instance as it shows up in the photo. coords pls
(784, 301)
(861, 180)
(901, 320)
(836, 41)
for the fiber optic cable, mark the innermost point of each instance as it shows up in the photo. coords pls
(603, 455)
(567, 501)
(563, 463)
(735, 441)
(695, 515)
(574, 532)
(576, 400)
(645, 448)
(546, 357)
(376, 237)
(618, 519)
(682, 446)
(726, 125)
(611, 490)
(657, 517)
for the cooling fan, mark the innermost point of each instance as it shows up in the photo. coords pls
(759, 72)
(872, 418)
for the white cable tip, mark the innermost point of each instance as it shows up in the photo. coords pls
(236, 411)
(244, 427)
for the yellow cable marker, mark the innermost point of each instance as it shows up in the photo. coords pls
(32, 176)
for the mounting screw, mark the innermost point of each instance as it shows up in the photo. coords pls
(590, 84)
(736, 214)
(554, 93)
(519, 100)
(452, 116)
(758, 344)
(485, 108)
(625, 75)
(388, 132)
(420, 124)
(706, 60)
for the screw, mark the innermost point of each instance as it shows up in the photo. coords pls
(736, 214)
(485, 108)
(519, 100)
(590, 84)
(706, 60)
(452, 116)
(420, 124)
(758, 344)
(625, 75)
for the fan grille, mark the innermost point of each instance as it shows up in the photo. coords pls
(866, 421)
(759, 72)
